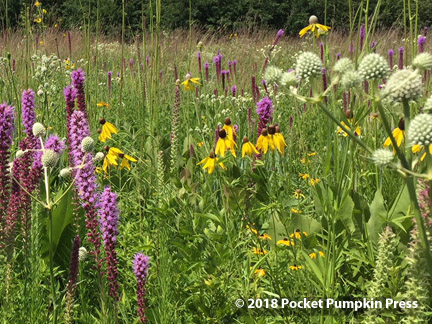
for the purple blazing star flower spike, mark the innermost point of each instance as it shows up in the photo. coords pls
(264, 111)
(206, 68)
(78, 78)
(278, 36)
(6, 131)
(390, 56)
(338, 56)
(70, 94)
(234, 90)
(362, 35)
(401, 58)
(28, 114)
(425, 31)
(322, 51)
(324, 76)
(108, 218)
(148, 60)
(131, 63)
(199, 61)
(54, 143)
(235, 67)
(421, 42)
(141, 266)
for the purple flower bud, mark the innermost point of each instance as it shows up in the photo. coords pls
(362, 35)
(390, 56)
(233, 90)
(421, 42)
(264, 111)
(338, 56)
(401, 58)
(278, 36)
(206, 67)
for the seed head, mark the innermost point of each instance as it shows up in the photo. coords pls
(99, 156)
(404, 85)
(87, 144)
(382, 157)
(423, 61)
(420, 130)
(49, 158)
(313, 20)
(66, 172)
(19, 154)
(351, 79)
(308, 65)
(82, 254)
(272, 74)
(227, 121)
(38, 130)
(428, 106)
(343, 65)
(373, 66)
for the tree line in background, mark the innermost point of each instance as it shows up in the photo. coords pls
(221, 15)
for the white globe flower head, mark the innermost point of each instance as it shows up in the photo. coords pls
(423, 61)
(343, 65)
(420, 130)
(428, 106)
(38, 130)
(272, 74)
(351, 79)
(404, 85)
(87, 144)
(382, 157)
(308, 65)
(49, 158)
(288, 79)
(373, 66)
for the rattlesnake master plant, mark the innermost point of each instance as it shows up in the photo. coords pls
(49, 158)
(423, 61)
(373, 66)
(308, 65)
(428, 106)
(351, 79)
(382, 157)
(420, 130)
(404, 85)
(38, 130)
(272, 74)
(343, 66)
(288, 79)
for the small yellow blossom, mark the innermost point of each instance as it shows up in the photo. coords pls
(44, 11)
(103, 104)
(248, 148)
(321, 253)
(253, 230)
(304, 176)
(298, 234)
(312, 154)
(313, 182)
(38, 20)
(312, 255)
(298, 194)
(189, 82)
(340, 131)
(200, 144)
(286, 242)
(296, 211)
(259, 251)
(295, 267)
(112, 156)
(315, 28)
(265, 236)
(229, 129)
(37, 4)
(260, 272)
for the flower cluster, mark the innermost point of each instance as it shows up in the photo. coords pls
(140, 267)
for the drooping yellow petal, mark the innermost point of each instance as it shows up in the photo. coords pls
(305, 30)
(203, 161)
(263, 143)
(416, 148)
(130, 158)
(210, 165)
(111, 128)
(249, 149)
(220, 147)
(115, 151)
(125, 164)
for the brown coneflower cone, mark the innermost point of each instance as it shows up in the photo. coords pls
(72, 281)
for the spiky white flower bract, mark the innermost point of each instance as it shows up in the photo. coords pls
(87, 144)
(382, 157)
(420, 130)
(288, 79)
(82, 254)
(423, 61)
(272, 74)
(343, 65)
(404, 85)
(99, 156)
(19, 153)
(38, 130)
(49, 158)
(373, 66)
(66, 172)
(428, 106)
(351, 79)
(308, 65)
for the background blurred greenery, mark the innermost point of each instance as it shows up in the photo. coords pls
(211, 14)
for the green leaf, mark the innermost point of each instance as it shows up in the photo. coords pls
(378, 216)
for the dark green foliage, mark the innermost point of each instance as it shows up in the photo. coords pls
(209, 14)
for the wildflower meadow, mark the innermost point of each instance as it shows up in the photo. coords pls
(210, 176)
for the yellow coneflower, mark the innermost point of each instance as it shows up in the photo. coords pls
(229, 128)
(189, 82)
(114, 154)
(248, 148)
(279, 140)
(312, 154)
(265, 236)
(304, 176)
(315, 28)
(260, 272)
(224, 143)
(298, 194)
(210, 163)
(265, 140)
(313, 182)
(296, 211)
(417, 148)
(340, 131)
(107, 130)
(295, 267)
(259, 251)
(37, 4)
(286, 242)
(321, 253)
(38, 20)
(103, 104)
(312, 255)
(253, 230)
(200, 144)
(398, 134)
(298, 234)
